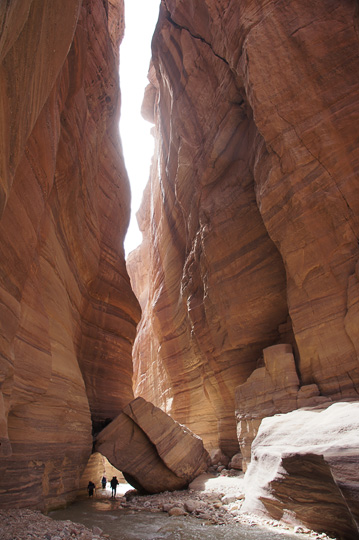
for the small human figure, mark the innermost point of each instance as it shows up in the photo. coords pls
(90, 488)
(103, 482)
(114, 483)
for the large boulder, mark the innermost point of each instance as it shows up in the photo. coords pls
(154, 452)
(305, 469)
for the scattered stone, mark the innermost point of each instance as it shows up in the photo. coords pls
(167, 507)
(177, 511)
(227, 499)
(236, 462)
(204, 504)
(211, 497)
(21, 524)
(218, 457)
(205, 516)
(191, 506)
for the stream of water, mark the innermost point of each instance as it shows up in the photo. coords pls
(124, 524)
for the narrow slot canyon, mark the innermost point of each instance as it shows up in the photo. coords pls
(225, 346)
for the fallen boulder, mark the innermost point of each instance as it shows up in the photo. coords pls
(305, 469)
(154, 452)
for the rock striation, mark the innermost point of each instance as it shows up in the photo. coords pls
(271, 389)
(67, 312)
(248, 272)
(250, 218)
(216, 286)
(250, 225)
(304, 469)
(153, 452)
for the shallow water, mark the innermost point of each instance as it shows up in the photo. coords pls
(124, 524)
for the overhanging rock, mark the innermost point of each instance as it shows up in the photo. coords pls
(152, 450)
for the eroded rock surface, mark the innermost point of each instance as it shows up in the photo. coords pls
(216, 286)
(251, 212)
(304, 469)
(306, 493)
(154, 452)
(67, 312)
(271, 389)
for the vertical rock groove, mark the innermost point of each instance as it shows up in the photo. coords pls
(68, 314)
(256, 162)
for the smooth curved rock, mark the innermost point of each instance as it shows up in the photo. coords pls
(251, 212)
(151, 449)
(305, 493)
(67, 312)
(305, 469)
(215, 284)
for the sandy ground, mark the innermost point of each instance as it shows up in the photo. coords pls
(214, 499)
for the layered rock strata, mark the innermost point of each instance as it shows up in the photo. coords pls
(250, 218)
(273, 388)
(305, 469)
(154, 452)
(206, 319)
(67, 312)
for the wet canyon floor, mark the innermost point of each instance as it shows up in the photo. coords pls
(123, 524)
(143, 518)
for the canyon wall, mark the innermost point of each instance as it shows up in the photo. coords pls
(67, 311)
(250, 219)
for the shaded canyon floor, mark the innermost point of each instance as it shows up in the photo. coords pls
(209, 509)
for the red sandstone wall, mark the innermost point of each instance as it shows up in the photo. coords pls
(251, 213)
(67, 312)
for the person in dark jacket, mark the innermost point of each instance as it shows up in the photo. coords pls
(114, 483)
(90, 488)
(103, 482)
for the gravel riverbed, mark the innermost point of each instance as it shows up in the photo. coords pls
(213, 500)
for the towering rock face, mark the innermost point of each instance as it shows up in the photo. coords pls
(251, 216)
(67, 312)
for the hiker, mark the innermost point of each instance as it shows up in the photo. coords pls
(103, 482)
(114, 483)
(90, 488)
